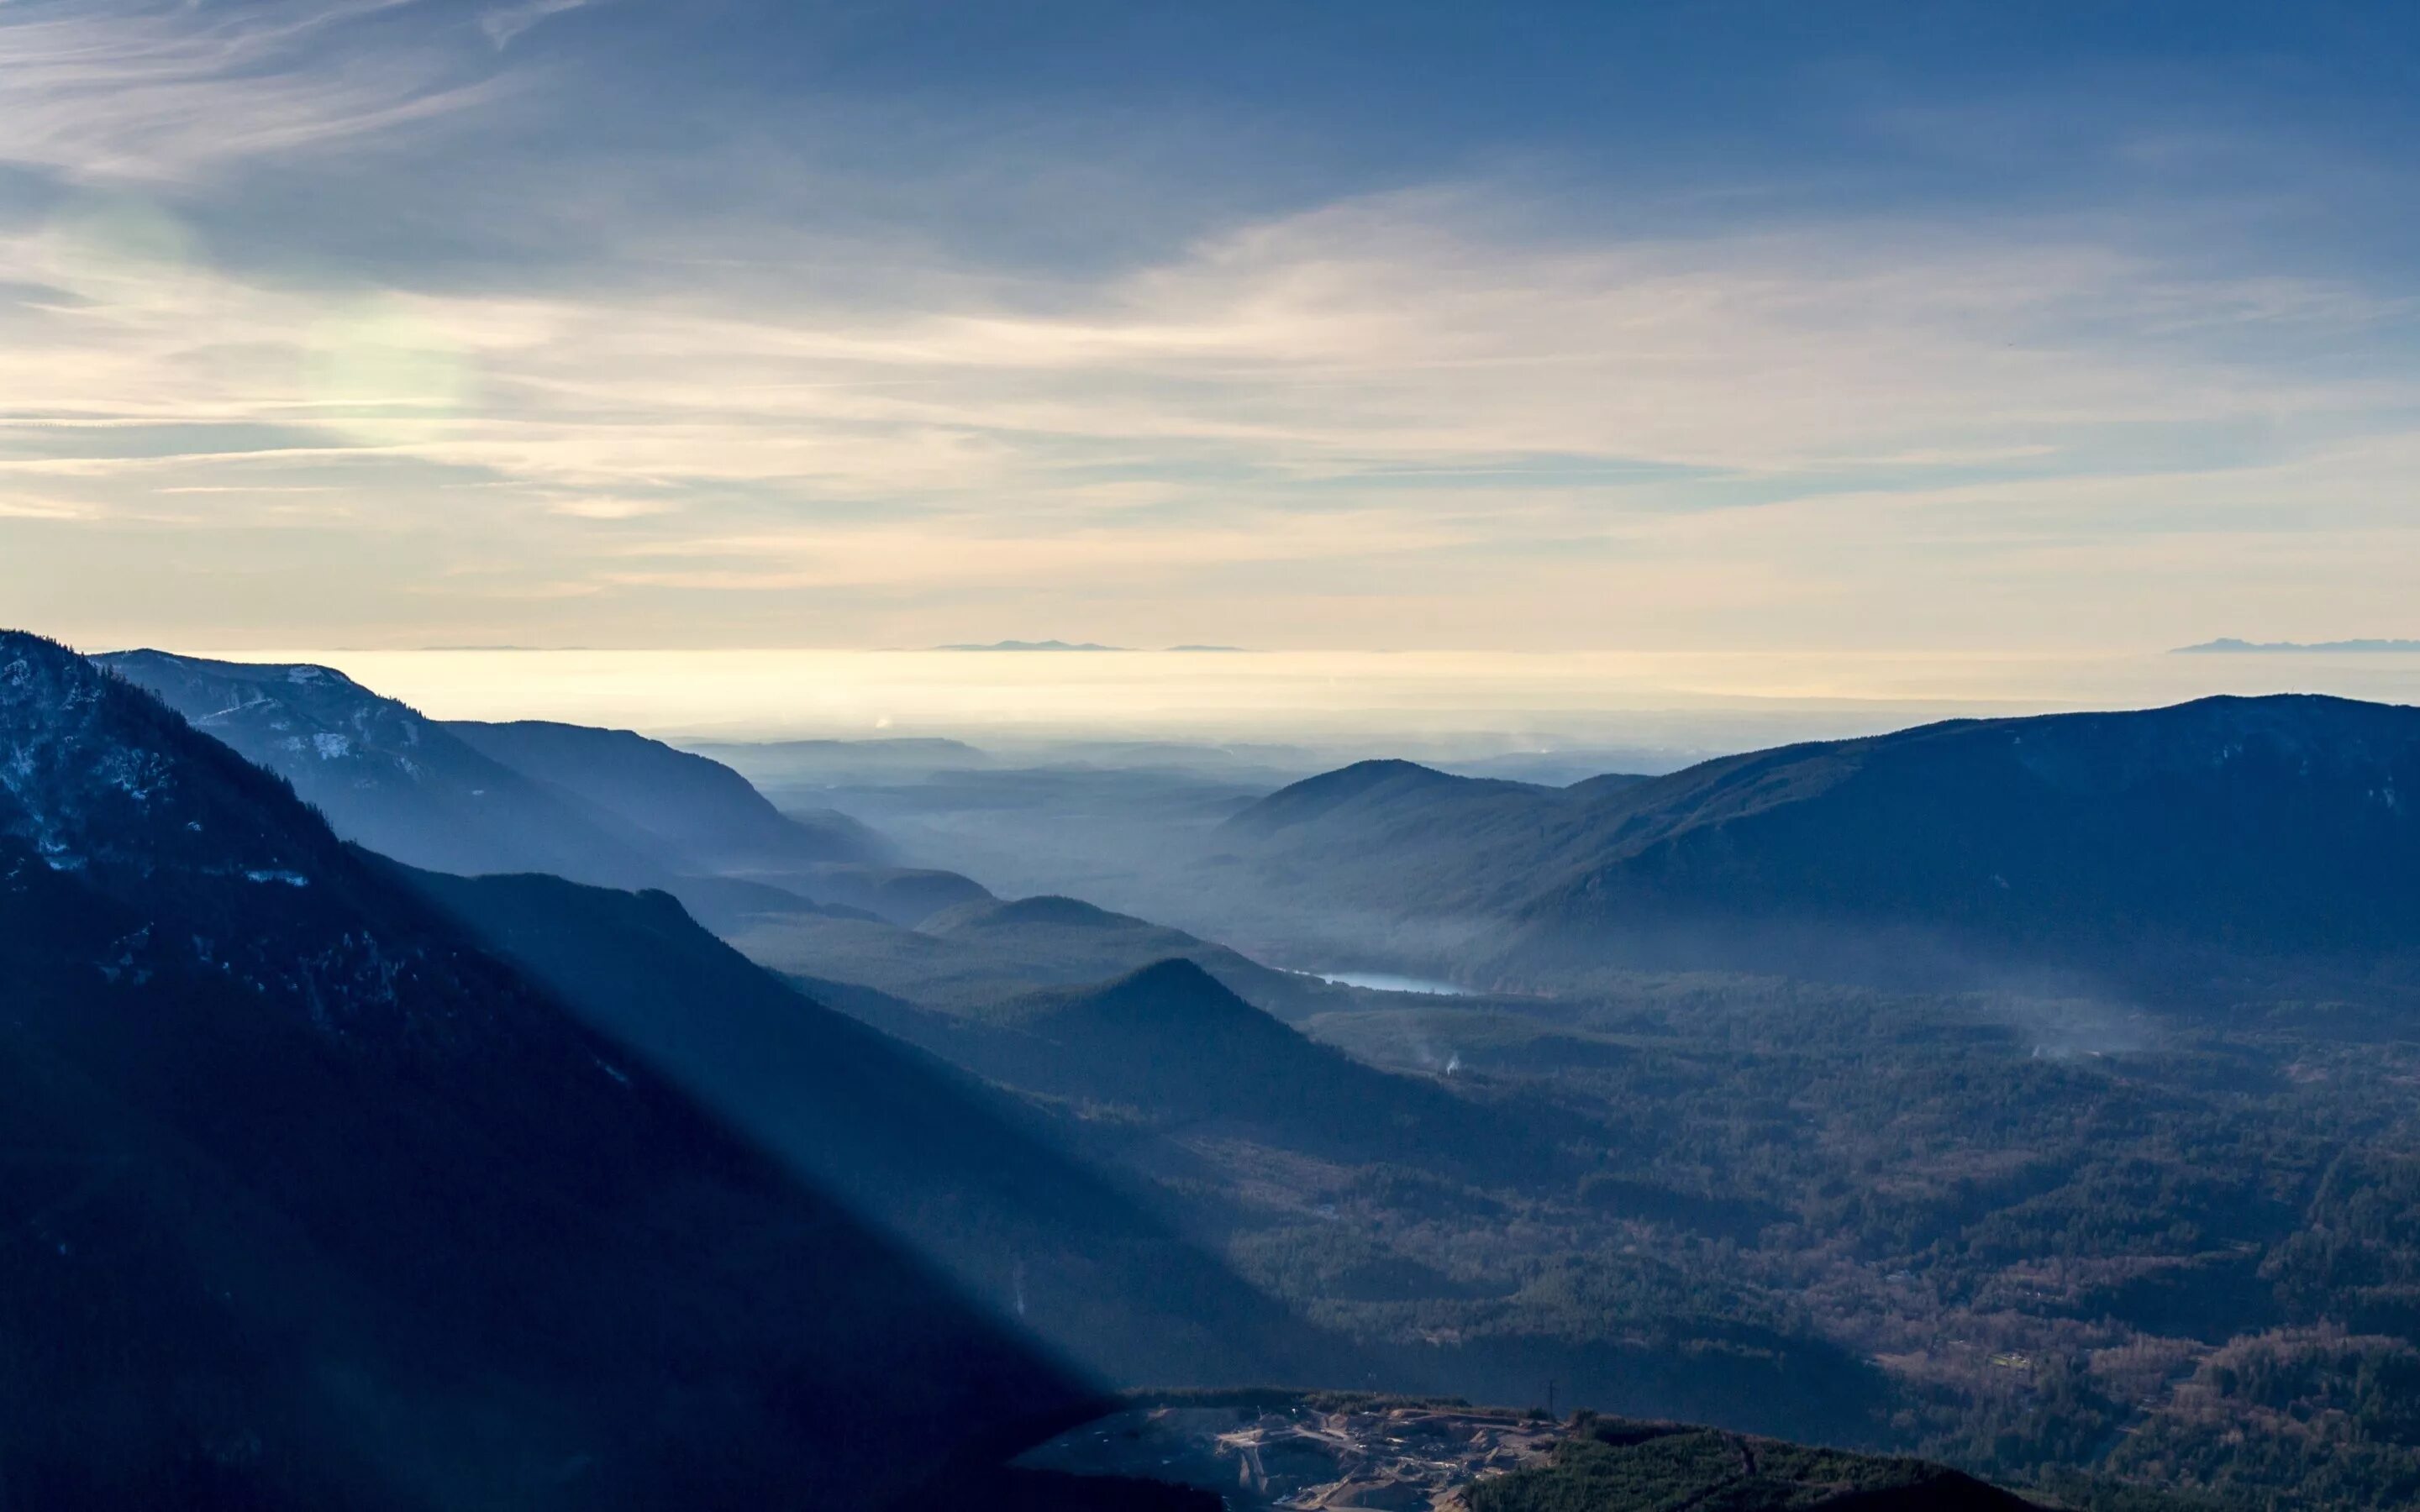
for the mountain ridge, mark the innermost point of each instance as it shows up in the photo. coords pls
(701, 807)
(2239, 828)
(608, 807)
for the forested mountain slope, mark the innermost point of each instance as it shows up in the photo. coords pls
(2224, 834)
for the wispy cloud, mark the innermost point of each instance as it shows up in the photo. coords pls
(1445, 405)
(969, 550)
(29, 507)
(505, 22)
(159, 90)
(1380, 338)
(1374, 380)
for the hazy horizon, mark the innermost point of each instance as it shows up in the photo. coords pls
(1373, 702)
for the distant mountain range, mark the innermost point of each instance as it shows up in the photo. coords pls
(2212, 835)
(807, 893)
(2230, 645)
(605, 807)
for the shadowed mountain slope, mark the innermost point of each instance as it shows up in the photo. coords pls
(965, 1176)
(2223, 831)
(319, 1203)
(701, 808)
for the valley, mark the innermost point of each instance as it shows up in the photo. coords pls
(2090, 1233)
(2022, 1221)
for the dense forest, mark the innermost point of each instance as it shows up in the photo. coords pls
(2056, 1244)
(1652, 1466)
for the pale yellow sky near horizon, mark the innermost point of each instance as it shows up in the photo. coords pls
(1693, 700)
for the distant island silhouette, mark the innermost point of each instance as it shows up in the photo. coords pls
(2230, 645)
(1069, 646)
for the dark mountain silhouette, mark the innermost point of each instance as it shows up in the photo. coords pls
(1173, 1044)
(596, 805)
(978, 954)
(1614, 1465)
(2224, 835)
(2230, 644)
(1076, 942)
(314, 1202)
(971, 1180)
(1389, 792)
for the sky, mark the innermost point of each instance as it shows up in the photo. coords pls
(1705, 328)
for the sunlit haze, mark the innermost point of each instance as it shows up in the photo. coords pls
(1682, 702)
